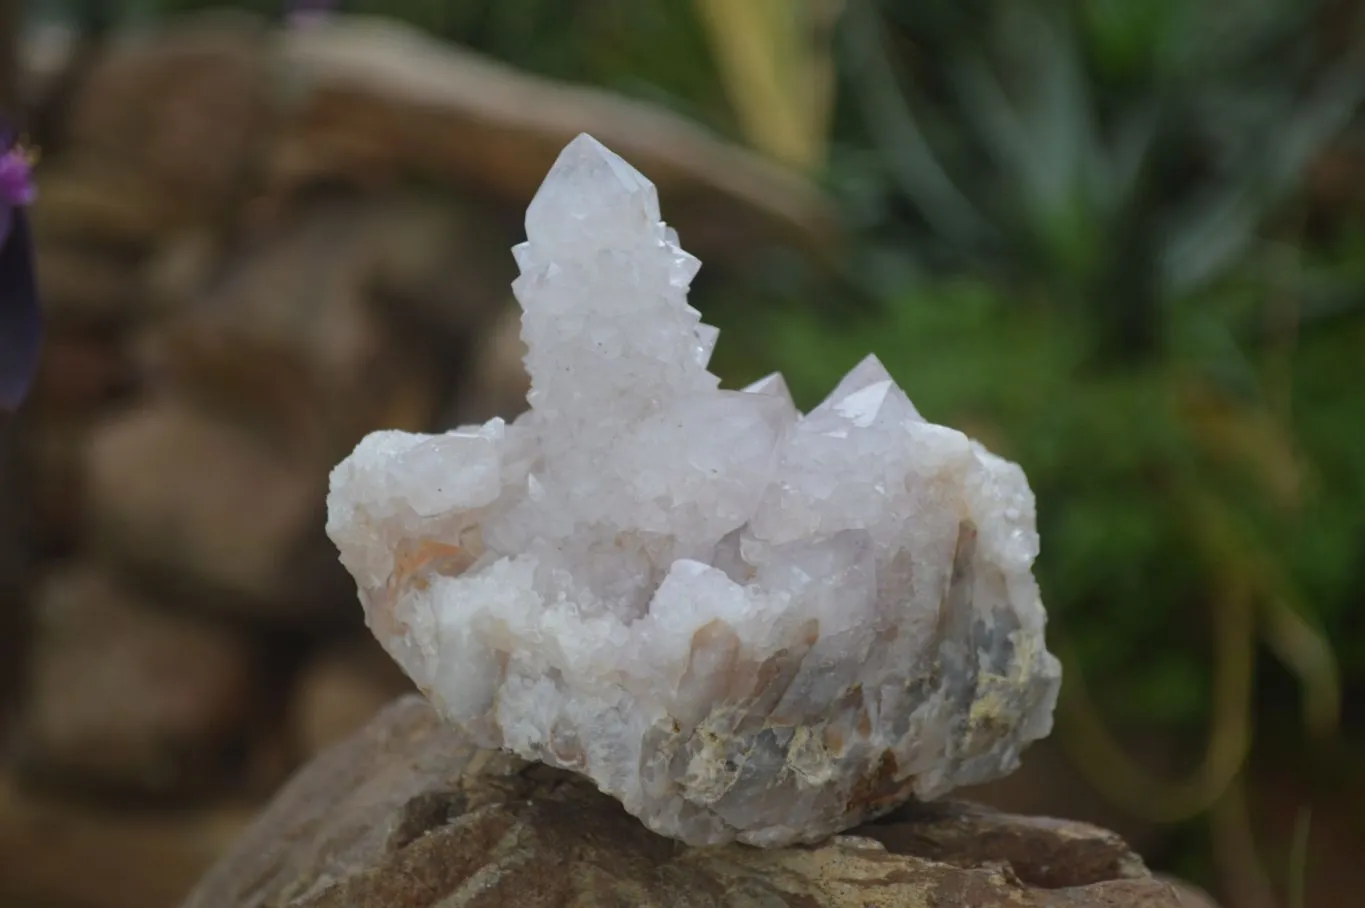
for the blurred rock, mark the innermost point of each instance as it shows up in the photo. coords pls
(88, 288)
(57, 854)
(290, 338)
(212, 513)
(386, 101)
(181, 267)
(128, 696)
(443, 261)
(45, 54)
(340, 689)
(1189, 896)
(1043, 852)
(53, 449)
(408, 813)
(13, 574)
(78, 374)
(497, 383)
(185, 109)
(87, 201)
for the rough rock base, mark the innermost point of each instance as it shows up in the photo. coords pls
(407, 813)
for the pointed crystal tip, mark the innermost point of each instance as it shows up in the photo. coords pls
(772, 383)
(591, 190)
(867, 394)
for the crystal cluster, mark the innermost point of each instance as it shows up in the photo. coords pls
(742, 622)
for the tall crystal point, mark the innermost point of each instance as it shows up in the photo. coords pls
(743, 622)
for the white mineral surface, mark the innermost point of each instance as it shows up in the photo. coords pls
(742, 622)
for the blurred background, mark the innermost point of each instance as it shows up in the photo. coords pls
(1121, 242)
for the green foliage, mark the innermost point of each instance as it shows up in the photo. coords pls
(1124, 156)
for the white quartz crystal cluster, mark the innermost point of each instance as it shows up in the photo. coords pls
(742, 622)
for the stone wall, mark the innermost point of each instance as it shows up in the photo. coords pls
(255, 246)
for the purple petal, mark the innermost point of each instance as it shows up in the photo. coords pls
(21, 317)
(16, 178)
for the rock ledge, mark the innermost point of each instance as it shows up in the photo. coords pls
(407, 813)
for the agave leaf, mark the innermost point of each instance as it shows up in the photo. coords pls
(1059, 114)
(1134, 139)
(909, 159)
(1223, 224)
(1042, 131)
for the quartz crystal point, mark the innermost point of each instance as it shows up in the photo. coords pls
(743, 622)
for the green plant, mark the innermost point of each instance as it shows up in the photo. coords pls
(1122, 156)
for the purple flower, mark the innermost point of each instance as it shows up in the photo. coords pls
(21, 317)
